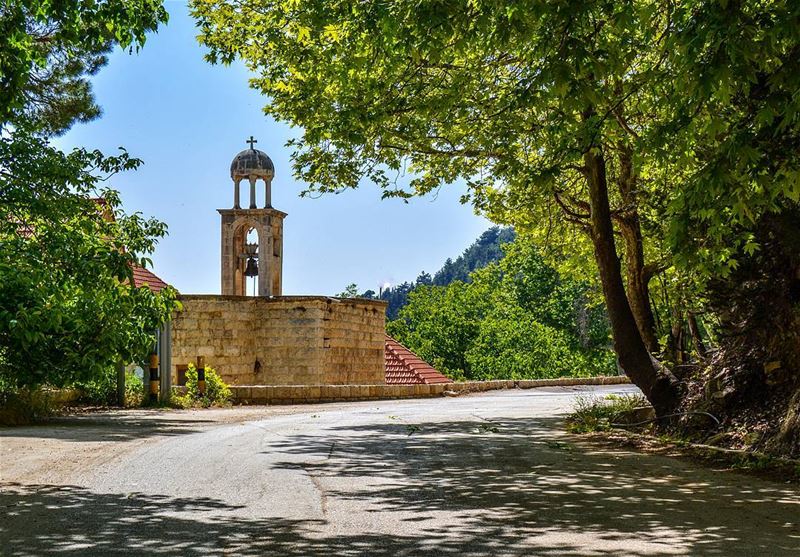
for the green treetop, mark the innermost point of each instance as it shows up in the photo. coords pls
(68, 305)
(586, 113)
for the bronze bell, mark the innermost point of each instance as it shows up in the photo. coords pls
(251, 269)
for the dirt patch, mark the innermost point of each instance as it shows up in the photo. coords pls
(65, 446)
(723, 460)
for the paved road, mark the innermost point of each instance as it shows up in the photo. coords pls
(489, 474)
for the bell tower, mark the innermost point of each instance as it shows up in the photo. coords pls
(259, 258)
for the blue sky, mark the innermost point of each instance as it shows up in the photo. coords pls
(187, 119)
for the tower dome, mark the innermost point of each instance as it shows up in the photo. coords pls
(252, 162)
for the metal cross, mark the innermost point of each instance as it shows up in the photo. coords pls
(251, 141)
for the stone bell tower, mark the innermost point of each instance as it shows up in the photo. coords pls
(262, 258)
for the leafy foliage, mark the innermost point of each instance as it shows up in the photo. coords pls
(49, 48)
(511, 344)
(217, 391)
(68, 307)
(26, 406)
(515, 319)
(735, 124)
(102, 390)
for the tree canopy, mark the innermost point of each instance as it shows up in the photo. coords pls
(50, 48)
(68, 305)
(515, 319)
(665, 133)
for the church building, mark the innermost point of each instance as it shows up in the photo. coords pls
(267, 338)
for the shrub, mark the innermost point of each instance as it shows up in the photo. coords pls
(598, 414)
(103, 389)
(512, 345)
(134, 389)
(217, 391)
(25, 406)
(593, 363)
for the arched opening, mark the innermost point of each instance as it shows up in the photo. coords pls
(251, 264)
(246, 265)
(249, 185)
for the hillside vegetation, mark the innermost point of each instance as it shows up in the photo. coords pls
(500, 310)
(516, 318)
(486, 249)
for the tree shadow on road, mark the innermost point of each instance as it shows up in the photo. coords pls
(69, 520)
(122, 425)
(503, 487)
(529, 485)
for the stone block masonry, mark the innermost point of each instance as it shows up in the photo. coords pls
(284, 340)
(303, 394)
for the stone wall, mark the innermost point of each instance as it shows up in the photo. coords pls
(302, 394)
(287, 340)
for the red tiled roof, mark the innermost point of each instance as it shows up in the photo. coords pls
(143, 277)
(403, 367)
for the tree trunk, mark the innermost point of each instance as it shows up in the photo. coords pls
(676, 350)
(658, 386)
(637, 274)
(697, 339)
(638, 279)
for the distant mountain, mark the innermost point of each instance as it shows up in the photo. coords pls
(486, 249)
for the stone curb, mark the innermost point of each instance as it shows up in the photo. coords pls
(305, 394)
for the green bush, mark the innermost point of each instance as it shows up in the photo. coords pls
(25, 406)
(103, 390)
(134, 389)
(593, 363)
(217, 392)
(598, 414)
(512, 345)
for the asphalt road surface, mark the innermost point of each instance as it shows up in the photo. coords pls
(489, 474)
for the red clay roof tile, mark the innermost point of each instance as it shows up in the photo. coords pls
(143, 277)
(403, 367)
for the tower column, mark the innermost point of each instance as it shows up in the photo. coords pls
(252, 192)
(268, 193)
(277, 255)
(236, 194)
(228, 253)
(264, 261)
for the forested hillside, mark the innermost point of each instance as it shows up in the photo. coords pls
(515, 318)
(501, 310)
(483, 251)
